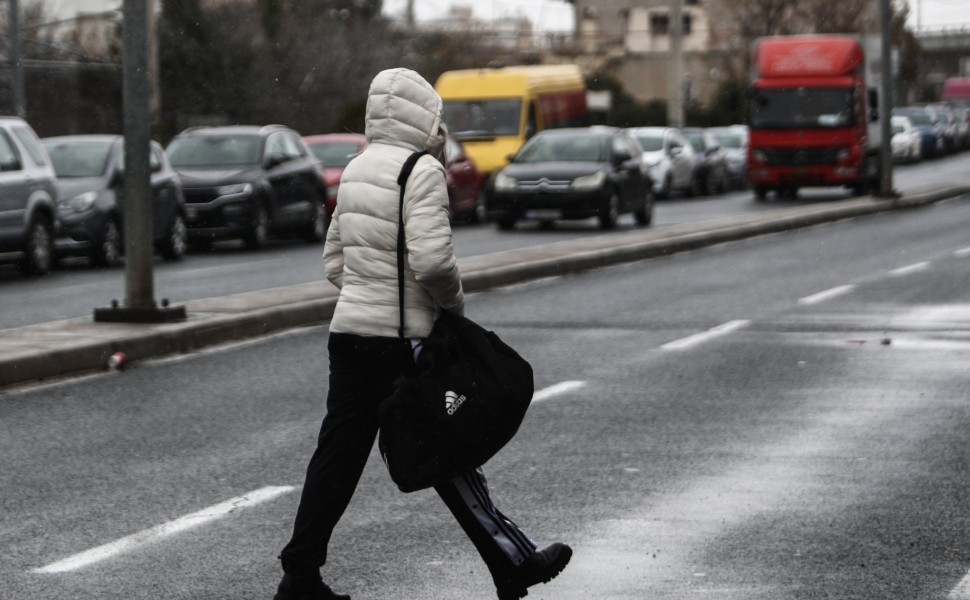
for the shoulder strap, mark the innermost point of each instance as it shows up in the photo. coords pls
(402, 180)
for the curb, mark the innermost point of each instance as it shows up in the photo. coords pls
(78, 346)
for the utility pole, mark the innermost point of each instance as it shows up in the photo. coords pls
(886, 108)
(140, 305)
(16, 68)
(675, 70)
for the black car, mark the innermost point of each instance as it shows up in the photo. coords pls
(573, 173)
(249, 182)
(713, 172)
(89, 184)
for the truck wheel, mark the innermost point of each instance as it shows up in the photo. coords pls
(506, 223)
(760, 193)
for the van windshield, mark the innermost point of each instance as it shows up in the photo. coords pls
(803, 108)
(482, 118)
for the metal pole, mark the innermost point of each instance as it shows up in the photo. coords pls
(886, 108)
(675, 105)
(139, 304)
(16, 67)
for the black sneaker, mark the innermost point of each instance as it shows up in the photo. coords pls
(309, 587)
(541, 567)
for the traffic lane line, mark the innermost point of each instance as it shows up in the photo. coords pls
(920, 266)
(962, 252)
(153, 534)
(962, 590)
(557, 390)
(710, 334)
(826, 295)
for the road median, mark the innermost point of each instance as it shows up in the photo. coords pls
(76, 346)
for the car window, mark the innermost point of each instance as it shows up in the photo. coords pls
(278, 149)
(155, 161)
(620, 149)
(651, 143)
(292, 147)
(565, 148)
(30, 143)
(9, 158)
(214, 150)
(79, 158)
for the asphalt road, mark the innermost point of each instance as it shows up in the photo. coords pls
(76, 289)
(777, 418)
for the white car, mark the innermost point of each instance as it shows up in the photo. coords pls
(669, 159)
(906, 142)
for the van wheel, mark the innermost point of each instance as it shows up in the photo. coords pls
(39, 248)
(108, 251)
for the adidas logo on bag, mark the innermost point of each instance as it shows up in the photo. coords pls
(453, 401)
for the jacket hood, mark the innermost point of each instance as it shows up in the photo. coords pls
(403, 110)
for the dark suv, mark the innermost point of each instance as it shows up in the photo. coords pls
(248, 182)
(28, 198)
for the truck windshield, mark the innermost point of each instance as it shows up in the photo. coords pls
(482, 118)
(803, 108)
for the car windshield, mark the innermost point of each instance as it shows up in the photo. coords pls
(214, 151)
(730, 140)
(803, 108)
(335, 154)
(565, 148)
(697, 141)
(651, 143)
(920, 118)
(482, 118)
(897, 128)
(79, 159)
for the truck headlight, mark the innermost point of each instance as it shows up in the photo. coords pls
(504, 183)
(589, 182)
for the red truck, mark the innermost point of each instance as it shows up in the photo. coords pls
(814, 118)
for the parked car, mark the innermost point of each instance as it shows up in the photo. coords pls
(28, 198)
(89, 172)
(669, 159)
(334, 151)
(906, 140)
(931, 136)
(573, 173)
(711, 166)
(249, 182)
(734, 142)
(464, 183)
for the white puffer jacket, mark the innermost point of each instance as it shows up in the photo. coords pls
(403, 116)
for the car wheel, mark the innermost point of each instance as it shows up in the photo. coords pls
(39, 249)
(506, 223)
(644, 214)
(694, 187)
(176, 243)
(317, 228)
(108, 251)
(259, 228)
(665, 190)
(760, 193)
(611, 212)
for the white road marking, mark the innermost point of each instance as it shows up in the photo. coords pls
(147, 536)
(962, 252)
(826, 295)
(962, 589)
(702, 337)
(557, 389)
(909, 269)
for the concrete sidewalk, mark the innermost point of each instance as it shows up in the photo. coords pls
(75, 346)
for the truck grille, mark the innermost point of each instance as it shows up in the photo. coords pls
(795, 157)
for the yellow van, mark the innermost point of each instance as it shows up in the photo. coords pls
(493, 111)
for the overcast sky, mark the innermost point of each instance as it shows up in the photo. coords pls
(557, 15)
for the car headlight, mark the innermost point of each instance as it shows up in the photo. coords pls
(236, 188)
(589, 182)
(81, 203)
(504, 183)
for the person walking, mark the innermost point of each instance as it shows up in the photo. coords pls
(403, 116)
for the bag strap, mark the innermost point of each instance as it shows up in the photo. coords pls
(402, 180)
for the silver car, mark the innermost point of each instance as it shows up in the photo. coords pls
(669, 159)
(28, 198)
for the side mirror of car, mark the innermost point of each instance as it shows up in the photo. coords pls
(274, 160)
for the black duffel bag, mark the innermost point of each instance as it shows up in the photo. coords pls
(465, 400)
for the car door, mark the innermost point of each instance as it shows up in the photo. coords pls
(15, 190)
(283, 174)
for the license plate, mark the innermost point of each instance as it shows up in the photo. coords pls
(543, 214)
